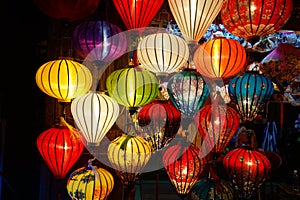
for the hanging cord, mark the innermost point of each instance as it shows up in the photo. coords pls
(73, 131)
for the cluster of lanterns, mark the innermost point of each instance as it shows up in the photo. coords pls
(193, 79)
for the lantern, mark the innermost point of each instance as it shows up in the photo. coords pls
(128, 155)
(63, 79)
(250, 92)
(94, 114)
(247, 168)
(137, 13)
(90, 183)
(162, 53)
(67, 10)
(194, 17)
(183, 163)
(132, 87)
(159, 121)
(99, 41)
(220, 58)
(253, 19)
(60, 148)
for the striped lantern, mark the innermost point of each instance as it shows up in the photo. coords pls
(63, 79)
(99, 41)
(60, 147)
(94, 114)
(250, 92)
(132, 87)
(90, 183)
(220, 58)
(253, 19)
(163, 53)
(194, 17)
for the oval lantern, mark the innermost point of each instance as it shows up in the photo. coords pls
(253, 19)
(194, 17)
(94, 114)
(137, 13)
(67, 10)
(162, 53)
(132, 87)
(63, 79)
(183, 163)
(250, 92)
(220, 58)
(90, 183)
(128, 155)
(60, 148)
(159, 121)
(99, 41)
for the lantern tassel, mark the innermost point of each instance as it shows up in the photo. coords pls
(71, 128)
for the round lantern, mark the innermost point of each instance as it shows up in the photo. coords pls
(247, 169)
(183, 163)
(194, 17)
(160, 121)
(67, 10)
(128, 155)
(94, 114)
(137, 13)
(60, 148)
(253, 19)
(220, 58)
(132, 87)
(99, 41)
(63, 79)
(250, 92)
(188, 92)
(90, 183)
(163, 53)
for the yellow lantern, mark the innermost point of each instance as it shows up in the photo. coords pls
(63, 79)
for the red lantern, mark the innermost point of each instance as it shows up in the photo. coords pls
(60, 148)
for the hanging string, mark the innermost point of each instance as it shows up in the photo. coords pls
(74, 132)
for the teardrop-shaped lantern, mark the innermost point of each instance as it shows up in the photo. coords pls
(67, 10)
(60, 148)
(194, 17)
(250, 92)
(99, 41)
(253, 19)
(159, 121)
(128, 155)
(188, 92)
(132, 86)
(94, 114)
(63, 79)
(137, 13)
(220, 58)
(162, 53)
(90, 183)
(183, 163)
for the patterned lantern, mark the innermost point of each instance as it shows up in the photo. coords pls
(132, 87)
(183, 163)
(250, 92)
(220, 58)
(194, 17)
(163, 53)
(67, 10)
(94, 114)
(90, 183)
(137, 13)
(63, 79)
(99, 41)
(128, 155)
(60, 148)
(247, 169)
(160, 121)
(253, 19)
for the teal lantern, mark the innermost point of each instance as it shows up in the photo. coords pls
(250, 92)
